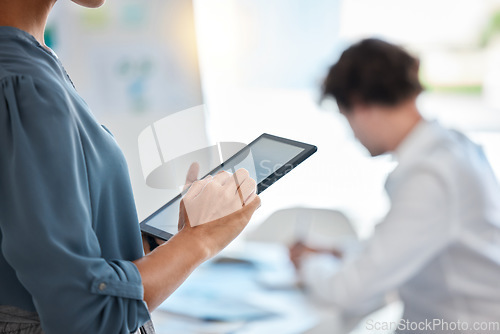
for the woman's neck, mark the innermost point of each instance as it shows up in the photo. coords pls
(28, 15)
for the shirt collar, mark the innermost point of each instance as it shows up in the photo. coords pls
(413, 146)
(12, 32)
(420, 137)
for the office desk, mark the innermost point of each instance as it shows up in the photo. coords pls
(250, 290)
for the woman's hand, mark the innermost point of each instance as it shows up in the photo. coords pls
(213, 212)
(225, 203)
(216, 197)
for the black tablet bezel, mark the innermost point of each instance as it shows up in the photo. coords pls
(308, 150)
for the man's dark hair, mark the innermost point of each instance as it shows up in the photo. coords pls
(373, 71)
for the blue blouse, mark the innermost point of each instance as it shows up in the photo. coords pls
(68, 223)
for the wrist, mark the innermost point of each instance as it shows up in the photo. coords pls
(196, 246)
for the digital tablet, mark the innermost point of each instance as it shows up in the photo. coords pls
(267, 159)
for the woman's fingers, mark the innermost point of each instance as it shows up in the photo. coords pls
(247, 190)
(250, 198)
(198, 187)
(253, 204)
(240, 183)
(222, 177)
(241, 174)
(238, 179)
(219, 196)
(244, 186)
(192, 175)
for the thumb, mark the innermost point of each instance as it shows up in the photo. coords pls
(192, 174)
(250, 207)
(197, 187)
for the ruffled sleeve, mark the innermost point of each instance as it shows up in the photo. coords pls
(46, 217)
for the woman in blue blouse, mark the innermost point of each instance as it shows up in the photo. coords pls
(72, 258)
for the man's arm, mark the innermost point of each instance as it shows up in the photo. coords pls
(417, 227)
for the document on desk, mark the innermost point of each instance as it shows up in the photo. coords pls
(216, 295)
(208, 309)
(186, 325)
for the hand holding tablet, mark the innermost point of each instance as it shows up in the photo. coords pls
(215, 235)
(266, 159)
(218, 196)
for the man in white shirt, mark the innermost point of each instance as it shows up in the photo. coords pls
(439, 245)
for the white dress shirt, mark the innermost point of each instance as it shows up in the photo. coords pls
(439, 244)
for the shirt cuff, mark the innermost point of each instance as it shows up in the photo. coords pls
(127, 282)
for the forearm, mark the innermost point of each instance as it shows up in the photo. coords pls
(163, 270)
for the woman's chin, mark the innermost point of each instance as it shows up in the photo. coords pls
(90, 3)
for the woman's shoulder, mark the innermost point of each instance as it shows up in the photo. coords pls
(38, 103)
(22, 56)
(25, 66)
(31, 78)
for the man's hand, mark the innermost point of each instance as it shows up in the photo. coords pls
(298, 251)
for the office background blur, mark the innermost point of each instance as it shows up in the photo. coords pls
(193, 74)
(261, 64)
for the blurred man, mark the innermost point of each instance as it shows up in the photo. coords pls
(439, 244)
